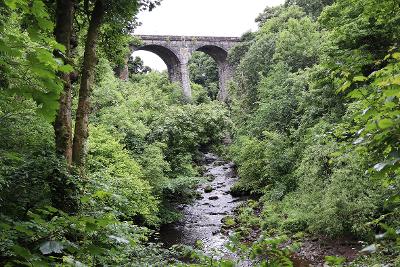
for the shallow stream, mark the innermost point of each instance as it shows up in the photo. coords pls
(202, 219)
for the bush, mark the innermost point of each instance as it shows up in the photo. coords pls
(115, 172)
(334, 196)
(265, 164)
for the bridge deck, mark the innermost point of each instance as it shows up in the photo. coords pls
(189, 38)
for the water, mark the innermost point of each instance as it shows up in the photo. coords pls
(202, 219)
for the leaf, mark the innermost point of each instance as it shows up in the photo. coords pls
(66, 68)
(12, 4)
(101, 194)
(85, 199)
(44, 56)
(360, 79)
(95, 250)
(22, 252)
(51, 209)
(345, 86)
(24, 229)
(5, 226)
(396, 55)
(50, 247)
(356, 94)
(58, 46)
(45, 24)
(120, 240)
(385, 123)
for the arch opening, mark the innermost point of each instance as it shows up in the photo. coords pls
(203, 70)
(217, 53)
(220, 56)
(170, 59)
(149, 59)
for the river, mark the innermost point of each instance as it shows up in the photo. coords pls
(202, 219)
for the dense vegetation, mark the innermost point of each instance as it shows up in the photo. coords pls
(141, 150)
(319, 138)
(90, 165)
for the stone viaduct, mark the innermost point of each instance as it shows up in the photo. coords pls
(176, 51)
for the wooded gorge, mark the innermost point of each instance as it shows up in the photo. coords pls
(92, 166)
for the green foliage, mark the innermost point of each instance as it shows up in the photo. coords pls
(266, 251)
(149, 125)
(186, 129)
(316, 109)
(118, 174)
(369, 25)
(334, 261)
(136, 66)
(311, 7)
(50, 237)
(278, 41)
(142, 149)
(315, 105)
(28, 67)
(200, 94)
(203, 70)
(257, 171)
(298, 44)
(26, 155)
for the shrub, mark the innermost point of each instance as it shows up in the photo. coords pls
(114, 171)
(265, 163)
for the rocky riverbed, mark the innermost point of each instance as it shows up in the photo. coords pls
(202, 219)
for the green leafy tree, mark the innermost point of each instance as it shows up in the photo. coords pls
(117, 15)
(28, 66)
(204, 71)
(136, 66)
(311, 7)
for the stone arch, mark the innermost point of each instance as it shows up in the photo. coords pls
(168, 56)
(175, 51)
(220, 55)
(217, 53)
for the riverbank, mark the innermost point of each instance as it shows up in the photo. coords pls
(257, 242)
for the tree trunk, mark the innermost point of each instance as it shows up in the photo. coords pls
(63, 122)
(63, 190)
(87, 78)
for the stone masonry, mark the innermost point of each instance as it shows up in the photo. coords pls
(176, 51)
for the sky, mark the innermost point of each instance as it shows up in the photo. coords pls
(199, 18)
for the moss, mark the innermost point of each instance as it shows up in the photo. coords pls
(208, 189)
(228, 222)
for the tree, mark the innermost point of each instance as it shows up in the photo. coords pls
(204, 71)
(89, 63)
(118, 15)
(136, 66)
(268, 13)
(311, 7)
(27, 65)
(63, 120)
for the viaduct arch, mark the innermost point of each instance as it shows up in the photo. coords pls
(176, 51)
